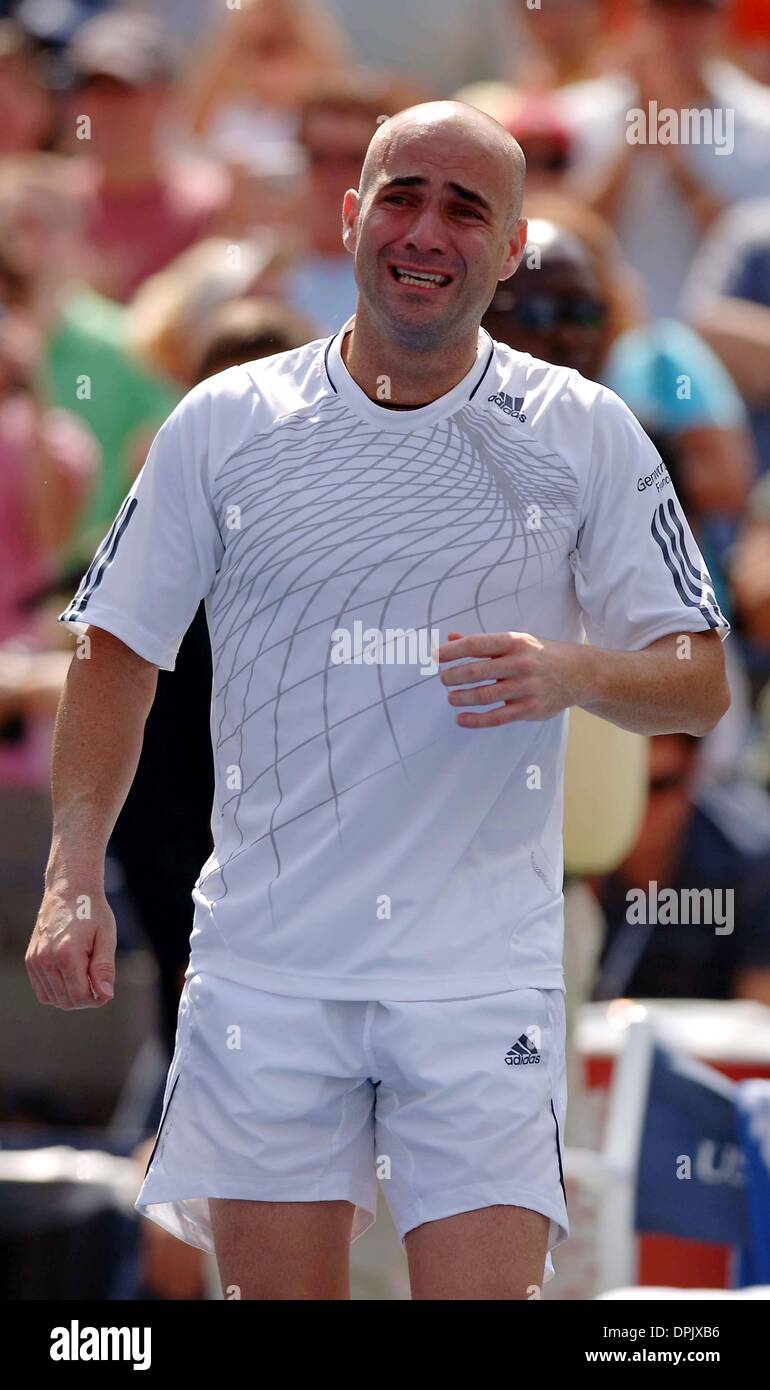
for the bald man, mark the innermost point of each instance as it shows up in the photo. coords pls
(401, 534)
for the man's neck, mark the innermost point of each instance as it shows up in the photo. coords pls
(398, 376)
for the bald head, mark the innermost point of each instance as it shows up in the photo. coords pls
(434, 224)
(477, 138)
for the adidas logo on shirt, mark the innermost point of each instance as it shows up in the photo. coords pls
(522, 1053)
(510, 405)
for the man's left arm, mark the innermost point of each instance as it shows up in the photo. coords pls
(675, 685)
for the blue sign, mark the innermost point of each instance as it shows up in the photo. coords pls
(691, 1178)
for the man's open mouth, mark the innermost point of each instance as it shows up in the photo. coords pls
(419, 279)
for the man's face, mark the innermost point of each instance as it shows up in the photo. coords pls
(431, 235)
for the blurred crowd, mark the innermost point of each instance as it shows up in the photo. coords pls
(171, 175)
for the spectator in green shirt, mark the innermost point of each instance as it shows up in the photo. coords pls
(85, 367)
(88, 370)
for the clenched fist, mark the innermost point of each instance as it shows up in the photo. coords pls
(70, 959)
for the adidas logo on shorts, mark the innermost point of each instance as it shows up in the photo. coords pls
(522, 1053)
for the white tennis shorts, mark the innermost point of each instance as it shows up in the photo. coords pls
(451, 1104)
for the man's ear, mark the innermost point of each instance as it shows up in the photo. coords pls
(517, 245)
(351, 204)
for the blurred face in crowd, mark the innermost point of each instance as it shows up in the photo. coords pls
(279, 53)
(25, 107)
(562, 27)
(439, 198)
(547, 163)
(689, 29)
(555, 312)
(19, 340)
(281, 70)
(335, 143)
(124, 118)
(40, 226)
(669, 803)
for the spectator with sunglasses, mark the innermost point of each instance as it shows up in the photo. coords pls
(554, 308)
(570, 304)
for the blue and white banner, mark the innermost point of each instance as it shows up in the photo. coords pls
(691, 1178)
(754, 1130)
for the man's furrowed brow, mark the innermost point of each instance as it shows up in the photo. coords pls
(470, 196)
(405, 181)
(419, 181)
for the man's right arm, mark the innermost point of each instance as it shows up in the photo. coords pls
(97, 741)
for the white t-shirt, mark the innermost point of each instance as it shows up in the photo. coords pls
(367, 846)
